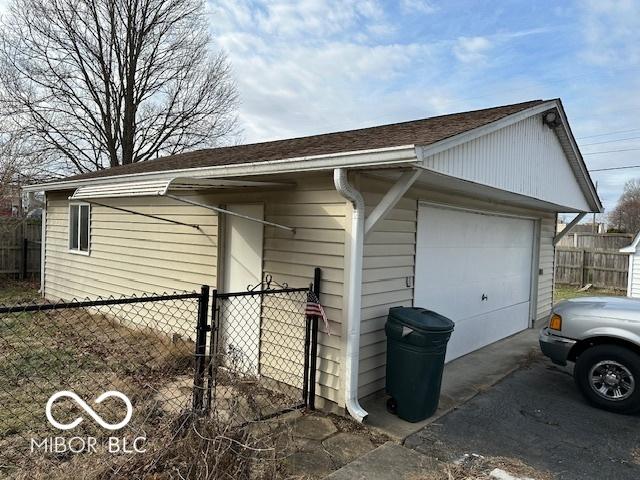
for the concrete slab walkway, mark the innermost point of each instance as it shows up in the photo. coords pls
(387, 461)
(463, 379)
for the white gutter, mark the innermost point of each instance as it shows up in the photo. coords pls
(383, 157)
(354, 295)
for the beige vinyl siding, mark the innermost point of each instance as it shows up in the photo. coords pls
(134, 254)
(390, 262)
(130, 254)
(389, 254)
(547, 256)
(317, 212)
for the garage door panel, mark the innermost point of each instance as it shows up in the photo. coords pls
(462, 256)
(476, 332)
(459, 301)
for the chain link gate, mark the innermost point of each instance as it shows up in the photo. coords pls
(256, 352)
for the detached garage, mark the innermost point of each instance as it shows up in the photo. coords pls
(454, 213)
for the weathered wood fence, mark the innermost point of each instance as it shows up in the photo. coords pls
(20, 248)
(606, 241)
(604, 268)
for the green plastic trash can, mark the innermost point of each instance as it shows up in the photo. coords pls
(416, 346)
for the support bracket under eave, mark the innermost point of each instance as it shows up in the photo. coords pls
(391, 198)
(559, 236)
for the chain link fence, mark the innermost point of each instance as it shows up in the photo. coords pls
(260, 345)
(232, 358)
(142, 347)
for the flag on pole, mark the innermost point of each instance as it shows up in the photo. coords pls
(315, 309)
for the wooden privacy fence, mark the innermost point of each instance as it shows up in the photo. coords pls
(602, 268)
(606, 241)
(20, 245)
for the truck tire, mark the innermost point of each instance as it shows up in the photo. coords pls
(609, 378)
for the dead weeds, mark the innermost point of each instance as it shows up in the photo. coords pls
(478, 467)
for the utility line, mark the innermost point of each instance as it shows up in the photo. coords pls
(609, 133)
(609, 141)
(613, 168)
(612, 151)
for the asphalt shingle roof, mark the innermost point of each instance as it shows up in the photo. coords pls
(416, 132)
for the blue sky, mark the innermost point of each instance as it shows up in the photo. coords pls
(313, 66)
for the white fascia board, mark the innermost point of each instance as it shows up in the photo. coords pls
(593, 194)
(404, 154)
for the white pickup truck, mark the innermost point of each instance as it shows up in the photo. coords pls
(602, 336)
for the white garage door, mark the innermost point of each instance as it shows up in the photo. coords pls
(475, 269)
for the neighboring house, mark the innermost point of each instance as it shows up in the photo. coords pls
(455, 213)
(583, 228)
(633, 275)
(10, 202)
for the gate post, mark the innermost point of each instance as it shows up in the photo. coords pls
(317, 273)
(213, 350)
(200, 351)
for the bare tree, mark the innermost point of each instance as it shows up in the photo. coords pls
(101, 83)
(625, 217)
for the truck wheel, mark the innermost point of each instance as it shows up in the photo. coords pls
(609, 378)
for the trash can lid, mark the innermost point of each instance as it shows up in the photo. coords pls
(421, 319)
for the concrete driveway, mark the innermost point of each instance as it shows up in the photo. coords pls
(538, 416)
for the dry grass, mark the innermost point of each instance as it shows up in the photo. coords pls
(565, 292)
(194, 448)
(14, 291)
(89, 353)
(477, 467)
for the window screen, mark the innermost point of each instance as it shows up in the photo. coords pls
(74, 215)
(79, 219)
(84, 228)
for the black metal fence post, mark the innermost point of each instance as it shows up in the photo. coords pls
(317, 274)
(201, 347)
(213, 346)
(307, 349)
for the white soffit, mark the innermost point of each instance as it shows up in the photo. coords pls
(161, 187)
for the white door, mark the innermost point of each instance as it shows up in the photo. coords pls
(242, 268)
(475, 269)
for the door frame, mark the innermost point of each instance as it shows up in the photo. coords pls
(535, 247)
(222, 272)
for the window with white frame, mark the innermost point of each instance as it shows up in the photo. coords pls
(79, 218)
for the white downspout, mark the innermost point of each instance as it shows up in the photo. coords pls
(354, 295)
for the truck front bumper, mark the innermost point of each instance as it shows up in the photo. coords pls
(555, 347)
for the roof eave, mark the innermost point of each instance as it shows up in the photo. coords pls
(403, 154)
(591, 194)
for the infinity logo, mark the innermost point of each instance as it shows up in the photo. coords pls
(92, 413)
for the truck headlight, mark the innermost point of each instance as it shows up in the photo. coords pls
(555, 323)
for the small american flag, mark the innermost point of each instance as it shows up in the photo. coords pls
(314, 309)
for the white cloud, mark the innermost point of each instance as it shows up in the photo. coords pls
(417, 6)
(472, 49)
(611, 31)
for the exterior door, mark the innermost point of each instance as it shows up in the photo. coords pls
(243, 269)
(474, 268)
